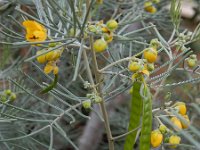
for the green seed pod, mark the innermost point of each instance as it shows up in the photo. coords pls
(135, 115)
(146, 121)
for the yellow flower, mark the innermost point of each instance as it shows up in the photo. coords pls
(156, 138)
(176, 122)
(35, 32)
(174, 140)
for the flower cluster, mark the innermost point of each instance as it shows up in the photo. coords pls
(106, 32)
(146, 65)
(7, 95)
(50, 58)
(164, 134)
(35, 32)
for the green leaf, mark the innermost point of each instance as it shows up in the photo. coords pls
(51, 86)
(135, 114)
(146, 121)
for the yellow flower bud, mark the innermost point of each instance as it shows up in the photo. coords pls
(156, 138)
(53, 55)
(148, 7)
(105, 30)
(112, 25)
(174, 140)
(55, 70)
(134, 66)
(48, 68)
(186, 122)
(150, 54)
(191, 62)
(181, 107)
(100, 45)
(108, 37)
(42, 58)
(176, 122)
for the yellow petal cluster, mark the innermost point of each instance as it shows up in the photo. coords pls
(176, 122)
(174, 140)
(50, 58)
(51, 66)
(156, 138)
(35, 32)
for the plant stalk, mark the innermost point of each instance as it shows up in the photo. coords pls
(98, 77)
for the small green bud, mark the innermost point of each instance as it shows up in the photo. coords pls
(87, 104)
(97, 99)
(191, 62)
(13, 96)
(71, 32)
(193, 56)
(52, 44)
(3, 98)
(155, 43)
(92, 28)
(163, 129)
(150, 66)
(8, 92)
